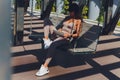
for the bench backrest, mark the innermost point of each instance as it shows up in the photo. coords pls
(88, 39)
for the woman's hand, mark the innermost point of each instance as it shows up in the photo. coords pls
(66, 35)
(75, 35)
(60, 30)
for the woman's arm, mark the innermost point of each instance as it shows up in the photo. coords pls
(67, 22)
(60, 25)
(78, 29)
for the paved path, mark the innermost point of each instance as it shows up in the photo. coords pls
(117, 31)
(104, 65)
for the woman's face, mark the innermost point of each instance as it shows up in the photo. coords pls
(72, 14)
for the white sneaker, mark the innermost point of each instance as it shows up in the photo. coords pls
(47, 43)
(42, 71)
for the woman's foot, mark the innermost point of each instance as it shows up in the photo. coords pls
(42, 71)
(47, 43)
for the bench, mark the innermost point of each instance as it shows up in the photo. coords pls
(88, 39)
(86, 43)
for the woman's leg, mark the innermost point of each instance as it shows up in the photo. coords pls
(47, 61)
(53, 49)
(48, 29)
(51, 53)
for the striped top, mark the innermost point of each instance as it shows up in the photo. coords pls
(70, 26)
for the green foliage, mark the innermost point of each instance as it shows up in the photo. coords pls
(38, 0)
(37, 6)
(118, 24)
(101, 15)
(65, 7)
(54, 8)
(85, 12)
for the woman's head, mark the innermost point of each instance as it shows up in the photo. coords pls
(74, 10)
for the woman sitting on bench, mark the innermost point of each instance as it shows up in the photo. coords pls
(71, 27)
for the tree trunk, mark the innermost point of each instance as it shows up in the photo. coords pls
(107, 16)
(48, 9)
(70, 2)
(114, 20)
(81, 5)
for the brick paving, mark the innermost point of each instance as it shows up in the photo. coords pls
(103, 65)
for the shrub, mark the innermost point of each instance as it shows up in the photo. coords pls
(85, 12)
(118, 24)
(65, 7)
(37, 6)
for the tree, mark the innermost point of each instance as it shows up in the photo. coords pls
(110, 22)
(47, 11)
(81, 5)
(114, 20)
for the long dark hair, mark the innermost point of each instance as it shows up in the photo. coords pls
(75, 8)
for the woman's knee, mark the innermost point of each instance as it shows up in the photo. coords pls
(47, 22)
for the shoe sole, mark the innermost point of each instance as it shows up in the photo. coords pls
(42, 74)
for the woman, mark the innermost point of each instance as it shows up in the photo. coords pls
(71, 27)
